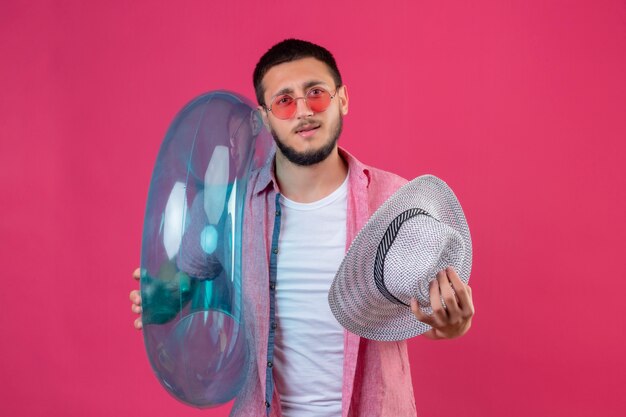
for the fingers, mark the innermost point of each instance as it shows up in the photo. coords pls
(419, 314)
(440, 315)
(448, 296)
(456, 296)
(463, 294)
(136, 308)
(135, 299)
(135, 295)
(138, 324)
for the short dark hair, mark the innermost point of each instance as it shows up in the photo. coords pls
(287, 51)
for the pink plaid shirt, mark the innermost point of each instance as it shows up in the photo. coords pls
(376, 375)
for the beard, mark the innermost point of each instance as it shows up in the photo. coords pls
(313, 156)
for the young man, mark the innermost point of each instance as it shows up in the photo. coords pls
(314, 197)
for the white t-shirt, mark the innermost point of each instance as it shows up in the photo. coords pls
(308, 352)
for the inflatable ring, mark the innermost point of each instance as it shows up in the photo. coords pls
(191, 283)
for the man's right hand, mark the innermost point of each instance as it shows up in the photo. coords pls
(135, 299)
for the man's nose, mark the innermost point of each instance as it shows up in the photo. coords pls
(302, 108)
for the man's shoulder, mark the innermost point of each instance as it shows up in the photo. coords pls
(380, 184)
(385, 179)
(261, 175)
(376, 176)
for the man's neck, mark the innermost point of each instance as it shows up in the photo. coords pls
(306, 184)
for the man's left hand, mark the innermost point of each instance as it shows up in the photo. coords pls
(453, 317)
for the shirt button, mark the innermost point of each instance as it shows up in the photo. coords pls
(274, 325)
(269, 364)
(278, 213)
(275, 250)
(267, 404)
(272, 286)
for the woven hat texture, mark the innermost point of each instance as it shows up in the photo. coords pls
(420, 230)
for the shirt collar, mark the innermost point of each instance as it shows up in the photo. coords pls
(358, 171)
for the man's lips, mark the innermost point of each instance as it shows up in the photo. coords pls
(307, 129)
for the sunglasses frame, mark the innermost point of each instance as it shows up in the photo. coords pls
(305, 98)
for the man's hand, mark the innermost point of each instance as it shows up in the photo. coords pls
(453, 318)
(135, 299)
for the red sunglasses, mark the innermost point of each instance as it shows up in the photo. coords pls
(284, 106)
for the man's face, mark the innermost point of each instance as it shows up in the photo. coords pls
(306, 138)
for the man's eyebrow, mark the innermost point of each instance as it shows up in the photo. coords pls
(285, 90)
(312, 83)
(305, 86)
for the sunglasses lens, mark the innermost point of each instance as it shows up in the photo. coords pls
(318, 99)
(283, 106)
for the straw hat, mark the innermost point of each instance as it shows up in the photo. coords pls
(418, 231)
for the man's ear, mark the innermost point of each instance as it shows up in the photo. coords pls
(263, 113)
(344, 99)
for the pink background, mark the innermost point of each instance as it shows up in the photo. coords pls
(519, 105)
